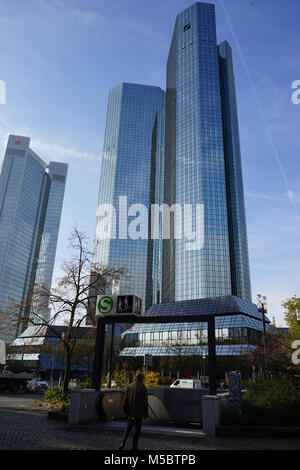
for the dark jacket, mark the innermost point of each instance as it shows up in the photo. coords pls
(135, 405)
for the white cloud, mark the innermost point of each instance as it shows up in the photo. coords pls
(289, 196)
(60, 152)
(45, 149)
(264, 196)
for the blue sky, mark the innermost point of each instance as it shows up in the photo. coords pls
(59, 58)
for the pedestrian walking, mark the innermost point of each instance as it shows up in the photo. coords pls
(135, 407)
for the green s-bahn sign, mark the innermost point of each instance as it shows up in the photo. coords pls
(106, 304)
(118, 304)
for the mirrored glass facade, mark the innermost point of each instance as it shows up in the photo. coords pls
(125, 171)
(202, 162)
(29, 205)
(237, 333)
(57, 173)
(239, 261)
(202, 165)
(155, 243)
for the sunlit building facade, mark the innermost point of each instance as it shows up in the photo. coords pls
(125, 180)
(31, 198)
(203, 163)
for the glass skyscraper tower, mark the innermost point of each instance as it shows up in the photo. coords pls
(57, 173)
(203, 163)
(31, 198)
(133, 111)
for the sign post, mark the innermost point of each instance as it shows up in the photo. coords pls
(109, 306)
(147, 361)
(235, 392)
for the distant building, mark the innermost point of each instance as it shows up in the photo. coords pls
(39, 349)
(283, 330)
(31, 198)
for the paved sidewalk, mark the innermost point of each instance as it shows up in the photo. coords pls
(147, 430)
(24, 428)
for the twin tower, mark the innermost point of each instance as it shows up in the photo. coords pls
(178, 147)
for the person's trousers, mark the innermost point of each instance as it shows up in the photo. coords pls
(137, 423)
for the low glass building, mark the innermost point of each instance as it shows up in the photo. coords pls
(39, 349)
(237, 333)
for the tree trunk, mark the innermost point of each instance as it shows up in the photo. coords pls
(67, 372)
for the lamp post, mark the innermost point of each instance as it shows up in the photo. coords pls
(63, 334)
(262, 307)
(51, 378)
(203, 363)
(115, 290)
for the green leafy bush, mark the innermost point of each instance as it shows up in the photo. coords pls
(152, 379)
(270, 401)
(56, 397)
(121, 378)
(276, 392)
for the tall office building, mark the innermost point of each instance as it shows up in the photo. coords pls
(133, 111)
(203, 163)
(57, 173)
(31, 198)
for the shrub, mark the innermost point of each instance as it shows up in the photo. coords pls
(152, 379)
(56, 397)
(274, 392)
(121, 378)
(270, 401)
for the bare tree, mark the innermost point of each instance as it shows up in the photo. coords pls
(71, 300)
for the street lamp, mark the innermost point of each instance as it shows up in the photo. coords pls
(203, 364)
(51, 377)
(115, 290)
(262, 307)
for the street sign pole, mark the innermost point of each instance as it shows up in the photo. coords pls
(110, 370)
(108, 306)
(98, 356)
(212, 355)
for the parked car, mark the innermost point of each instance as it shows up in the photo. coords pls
(186, 383)
(37, 385)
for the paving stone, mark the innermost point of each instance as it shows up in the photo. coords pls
(27, 428)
